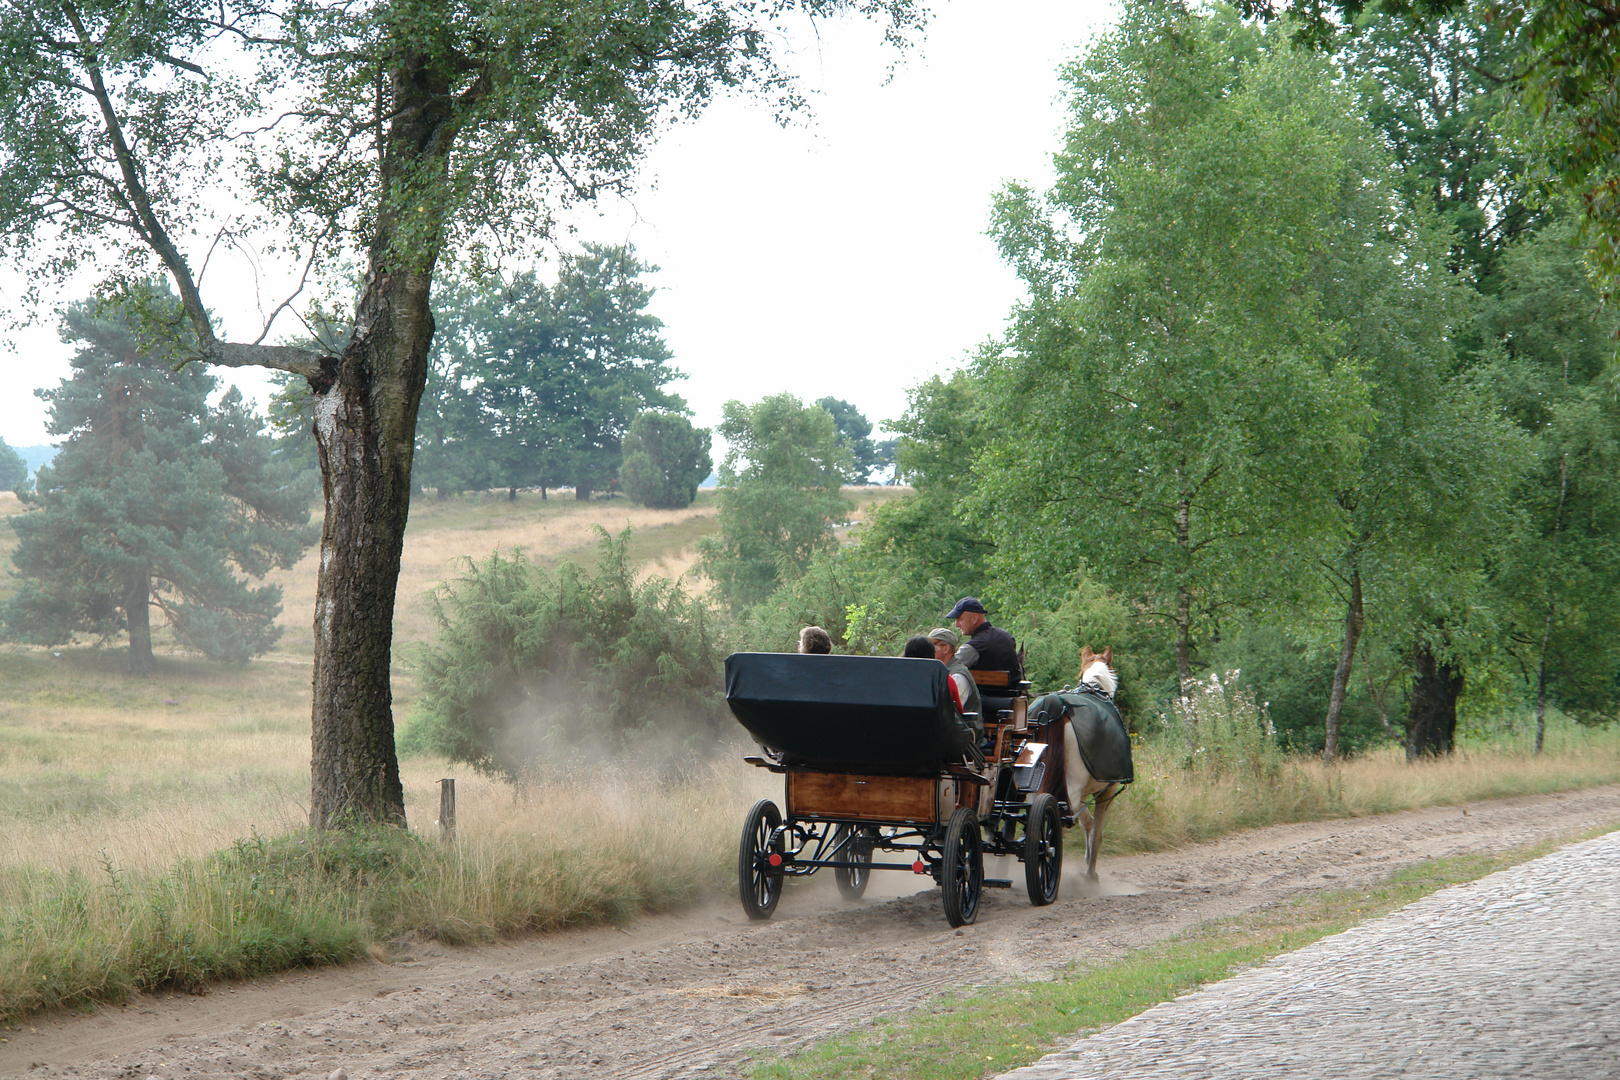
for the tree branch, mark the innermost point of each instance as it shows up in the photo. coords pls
(303, 280)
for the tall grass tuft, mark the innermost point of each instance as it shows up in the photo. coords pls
(1210, 764)
(551, 855)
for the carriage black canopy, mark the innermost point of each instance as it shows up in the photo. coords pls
(871, 714)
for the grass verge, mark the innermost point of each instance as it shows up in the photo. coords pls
(993, 1030)
(549, 857)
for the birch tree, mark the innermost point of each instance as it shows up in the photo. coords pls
(383, 136)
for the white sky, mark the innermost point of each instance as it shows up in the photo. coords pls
(843, 255)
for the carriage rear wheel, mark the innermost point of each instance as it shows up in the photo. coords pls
(1043, 850)
(757, 886)
(853, 846)
(962, 867)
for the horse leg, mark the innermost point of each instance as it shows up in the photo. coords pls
(1105, 799)
(1088, 822)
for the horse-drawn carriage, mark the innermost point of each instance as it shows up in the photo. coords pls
(875, 758)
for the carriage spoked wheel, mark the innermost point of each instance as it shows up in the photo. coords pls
(853, 846)
(1043, 850)
(759, 888)
(962, 867)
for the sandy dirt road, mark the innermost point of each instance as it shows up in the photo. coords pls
(698, 994)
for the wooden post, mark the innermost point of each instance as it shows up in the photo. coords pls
(447, 810)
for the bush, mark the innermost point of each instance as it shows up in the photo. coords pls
(665, 459)
(531, 663)
(1295, 681)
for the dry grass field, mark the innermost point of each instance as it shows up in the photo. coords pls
(98, 767)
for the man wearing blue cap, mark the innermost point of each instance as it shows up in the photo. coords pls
(985, 647)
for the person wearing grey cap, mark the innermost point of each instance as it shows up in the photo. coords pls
(967, 691)
(987, 648)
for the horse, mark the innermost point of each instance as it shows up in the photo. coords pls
(1095, 670)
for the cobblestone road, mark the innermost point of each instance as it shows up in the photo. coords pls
(1514, 975)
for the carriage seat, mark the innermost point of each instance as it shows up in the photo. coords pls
(998, 693)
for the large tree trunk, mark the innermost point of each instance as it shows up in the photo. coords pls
(138, 615)
(365, 429)
(1354, 619)
(1431, 715)
(365, 421)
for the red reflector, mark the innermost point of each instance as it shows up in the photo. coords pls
(776, 860)
(918, 867)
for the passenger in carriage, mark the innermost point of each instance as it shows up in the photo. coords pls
(987, 648)
(917, 647)
(815, 640)
(945, 640)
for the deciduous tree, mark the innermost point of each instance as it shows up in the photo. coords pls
(397, 133)
(559, 371)
(855, 434)
(1556, 581)
(779, 496)
(665, 459)
(1174, 405)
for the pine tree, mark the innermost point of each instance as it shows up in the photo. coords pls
(155, 501)
(13, 469)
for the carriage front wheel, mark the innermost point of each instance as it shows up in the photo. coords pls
(1043, 850)
(757, 885)
(853, 845)
(962, 867)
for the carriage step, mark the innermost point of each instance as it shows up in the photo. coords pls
(996, 883)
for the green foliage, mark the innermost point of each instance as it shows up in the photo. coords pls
(1222, 733)
(548, 106)
(854, 435)
(1175, 404)
(156, 499)
(665, 458)
(1553, 582)
(1567, 88)
(1438, 89)
(924, 538)
(13, 470)
(1091, 615)
(1561, 71)
(535, 385)
(532, 664)
(779, 497)
(454, 441)
(1293, 678)
(851, 593)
